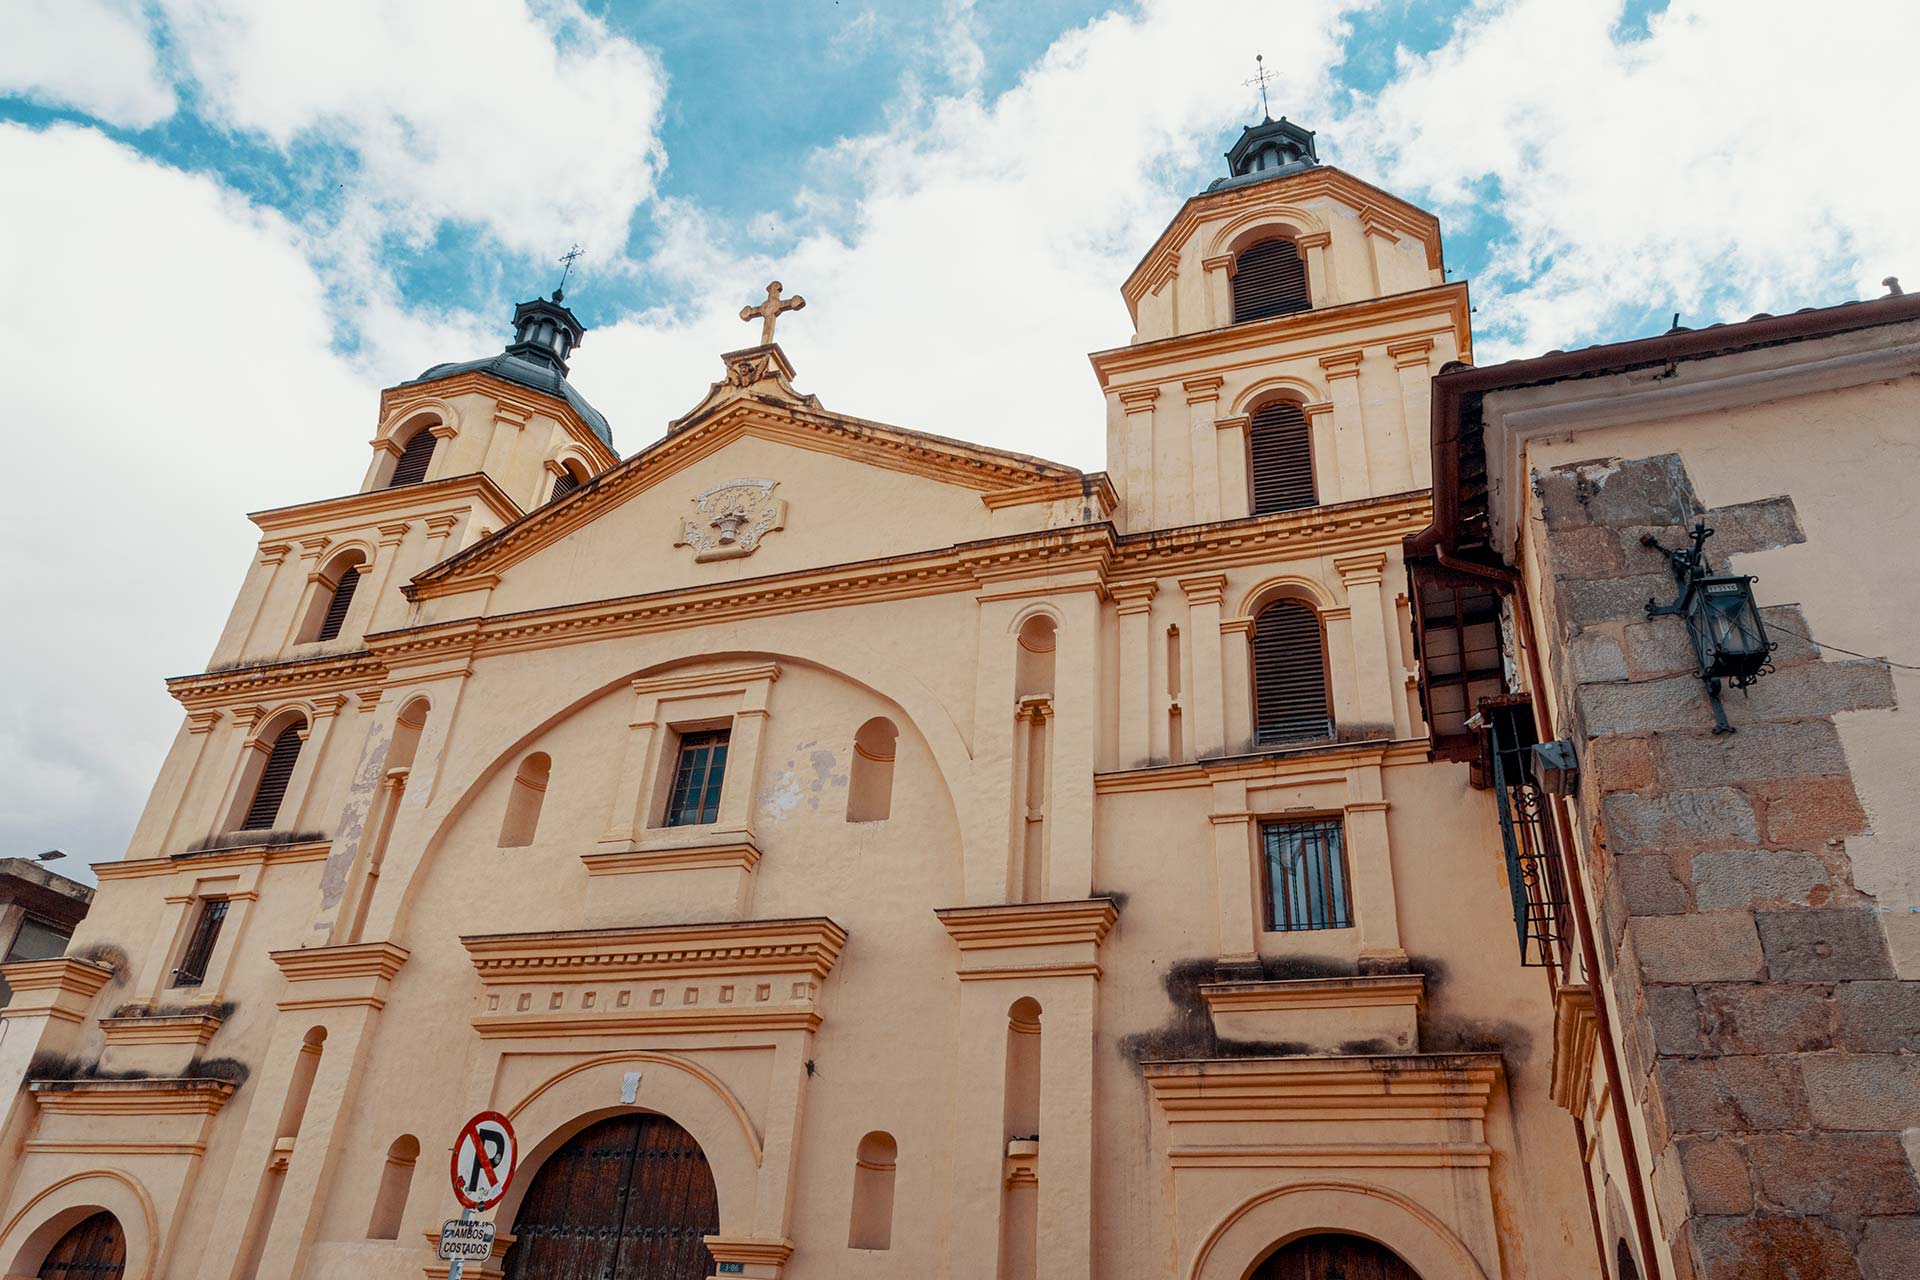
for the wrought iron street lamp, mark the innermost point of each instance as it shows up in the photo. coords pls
(1729, 639)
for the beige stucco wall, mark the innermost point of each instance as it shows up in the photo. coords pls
(597, 640)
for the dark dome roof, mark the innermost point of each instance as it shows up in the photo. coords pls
(526, 373)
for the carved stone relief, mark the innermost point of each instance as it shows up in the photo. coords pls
(730, 519)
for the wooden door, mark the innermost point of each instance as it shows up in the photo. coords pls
(1334, 1257)
(629, 1198)
(95, 1249)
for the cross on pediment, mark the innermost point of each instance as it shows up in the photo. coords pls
(771, 310)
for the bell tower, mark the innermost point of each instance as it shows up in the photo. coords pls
(1286, 324)
(459, 452)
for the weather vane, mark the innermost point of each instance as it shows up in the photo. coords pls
(1260, 81)
(567, 258)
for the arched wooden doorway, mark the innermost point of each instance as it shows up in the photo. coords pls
(95, 1249)
(628, 1198)
(1333, 1257)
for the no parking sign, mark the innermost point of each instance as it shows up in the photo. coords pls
(483, 1160)
(484, 1157)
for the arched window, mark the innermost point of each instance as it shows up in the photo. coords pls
(565, 483)
(1020, 1194)
(1628, 1269)
(1280, 458)
(1290, 702)
(396, 1179)
(1269, 279)
(412, 466)
(523, 805)
(873, 1166)
(870, 781)
(274, 776)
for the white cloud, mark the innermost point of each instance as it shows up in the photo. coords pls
(173, 371)
(971, 253)
(533, 121)
(93, 55)
(1736, 157)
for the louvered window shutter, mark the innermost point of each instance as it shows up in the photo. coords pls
(563, 484)
(342, 600)
(1289, 676)
(1270, 279)
(412, 467)
(1280, 448)
(273, 780)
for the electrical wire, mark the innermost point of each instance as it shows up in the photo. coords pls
(1870, 657)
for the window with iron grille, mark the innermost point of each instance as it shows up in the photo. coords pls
(1269, 279)
(342, 600)
(697, 776)
(1290, 700)
(1280, 458)
(1306, 874)
(192, 969)
(274, 777)
(412, 467)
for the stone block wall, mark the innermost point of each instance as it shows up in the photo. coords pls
(1774, 1054)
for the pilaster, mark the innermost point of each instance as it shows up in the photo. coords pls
(1237, 875)
(1204, 593)
(1219, 286)
(179, 781)
(1138, 404)
(1230, 457)
(1376, 907)
(301, 788)
(1236, 682)
(1412, 361)
(1363, 574)
(1133, 602)
(1380, 241)
(1321, 289)
(1349, 427)
(1203, 401)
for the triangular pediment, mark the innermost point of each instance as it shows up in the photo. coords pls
(759, 479)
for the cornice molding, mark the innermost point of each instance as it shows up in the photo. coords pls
(217, 859)
(194, 1029)
(411, 500)
(167, 1096)
(1367, 991)
(380, 960)
(1096, 550)
(1444, 1087)
(810, 945)
(1324, 762)
(1095, 484)
(730, 855)
(48, 980)
(1300, 335)
(1029, 924)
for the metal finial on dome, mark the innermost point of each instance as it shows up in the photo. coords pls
(1260, 81)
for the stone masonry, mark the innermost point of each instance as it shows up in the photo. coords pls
(1775, 1055)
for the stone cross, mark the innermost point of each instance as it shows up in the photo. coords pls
(770, 310)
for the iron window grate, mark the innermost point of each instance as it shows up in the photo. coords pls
(694, 799)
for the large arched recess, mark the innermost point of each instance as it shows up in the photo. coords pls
(1263, 1223)
(40, 1223)
(917, 707)
(682, 1091)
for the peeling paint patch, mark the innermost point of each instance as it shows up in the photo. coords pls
(823, 762)
(781, 796)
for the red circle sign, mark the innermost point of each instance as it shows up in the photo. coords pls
(484, 1156)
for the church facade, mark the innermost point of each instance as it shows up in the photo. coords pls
(843, 851)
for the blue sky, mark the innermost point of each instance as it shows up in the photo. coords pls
(238, 220)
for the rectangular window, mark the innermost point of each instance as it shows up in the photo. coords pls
(697, 775)
(1306, 866)
(38, 940)
(192, 970)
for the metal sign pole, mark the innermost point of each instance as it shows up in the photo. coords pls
(458, 1266)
